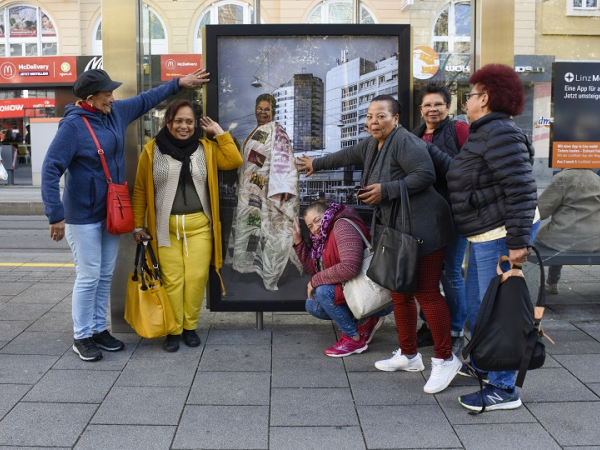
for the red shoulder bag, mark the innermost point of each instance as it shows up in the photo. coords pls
(119, 215)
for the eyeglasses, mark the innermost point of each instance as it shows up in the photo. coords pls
(259, 109)
(470, 94)
(428, 106)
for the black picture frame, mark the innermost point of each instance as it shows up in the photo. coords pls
(228, 56)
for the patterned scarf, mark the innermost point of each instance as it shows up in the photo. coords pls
(326, 226)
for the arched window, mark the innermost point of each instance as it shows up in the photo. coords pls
(27, 30)
(452, 30)
(225, 12)
(332, 11)
(151, 21)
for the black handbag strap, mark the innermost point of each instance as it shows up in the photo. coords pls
(155, 272)
(405, 222)
(138, 250)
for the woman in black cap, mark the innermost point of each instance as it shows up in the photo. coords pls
(81, 215)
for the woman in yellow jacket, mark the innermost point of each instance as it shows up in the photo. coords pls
(176, 202)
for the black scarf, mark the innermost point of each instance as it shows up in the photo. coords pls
(181, 150)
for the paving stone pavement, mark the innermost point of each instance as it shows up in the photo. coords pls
(268, 389)
(273, 388)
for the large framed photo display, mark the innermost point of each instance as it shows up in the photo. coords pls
(283, 91)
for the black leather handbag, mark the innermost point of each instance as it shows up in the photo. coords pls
(507, 334)
(396, 253)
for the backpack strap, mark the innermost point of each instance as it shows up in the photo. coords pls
(536, 331)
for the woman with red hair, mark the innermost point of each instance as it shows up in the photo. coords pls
(494, 197)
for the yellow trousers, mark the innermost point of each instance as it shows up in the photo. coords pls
(184, 266)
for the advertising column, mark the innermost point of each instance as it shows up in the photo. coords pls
(576, 134)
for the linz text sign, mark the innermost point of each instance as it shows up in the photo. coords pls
(576, 130)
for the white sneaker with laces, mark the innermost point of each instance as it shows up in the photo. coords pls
(401, 362)
(442, 373)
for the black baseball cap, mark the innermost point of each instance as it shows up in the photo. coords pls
(92, 81)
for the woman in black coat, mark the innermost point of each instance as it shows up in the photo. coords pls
(393, 155)
(494, 196)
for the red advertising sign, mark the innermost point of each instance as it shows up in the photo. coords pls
(38, 70)
(24, 107)
(172, 66)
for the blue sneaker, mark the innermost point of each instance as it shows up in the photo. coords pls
(466, 371)
(494, 398)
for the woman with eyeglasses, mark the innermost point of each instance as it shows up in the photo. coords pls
(447, 137)
(267, 201)
(391, 157)
(494, 197)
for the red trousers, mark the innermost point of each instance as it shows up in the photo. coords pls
(432, 304)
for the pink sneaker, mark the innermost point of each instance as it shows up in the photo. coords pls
(367, 330)
(346, 346)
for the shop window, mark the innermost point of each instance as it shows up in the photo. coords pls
(331, 11)
(155, 39)
(27, 30)
(227, 13)
(583, 8)
(452, 29)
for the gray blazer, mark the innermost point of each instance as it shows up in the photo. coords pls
(402, 156)
(572, 200)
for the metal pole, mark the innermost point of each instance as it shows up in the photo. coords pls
(257, 11)
(259, 320)
(356, 10)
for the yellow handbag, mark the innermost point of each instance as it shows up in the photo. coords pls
(147, 307)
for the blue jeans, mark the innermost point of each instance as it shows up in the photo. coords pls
(322, 307)
(454, 285)
(483, 259)
(95, 254)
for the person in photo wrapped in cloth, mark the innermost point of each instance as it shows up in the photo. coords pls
(261, 241)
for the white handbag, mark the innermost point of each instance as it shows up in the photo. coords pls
(363, 296)
(3, 172)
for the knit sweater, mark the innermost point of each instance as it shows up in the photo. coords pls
(220, 155)
(342, 253)
(73, 151)
(166, 171)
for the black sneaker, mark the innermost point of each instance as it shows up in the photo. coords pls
(466, 371)
(424, 336)
(191, 338)
(171, 343)
(107, 342)
(87, 349)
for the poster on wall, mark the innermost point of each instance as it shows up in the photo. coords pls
(48, 29)
(22, 21)
(576, 134)
(284, 91)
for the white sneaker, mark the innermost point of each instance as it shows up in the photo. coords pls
(442, 373)
(401, 362)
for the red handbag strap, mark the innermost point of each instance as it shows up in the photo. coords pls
(100, 151)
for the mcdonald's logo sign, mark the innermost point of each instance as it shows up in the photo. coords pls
(8, 70)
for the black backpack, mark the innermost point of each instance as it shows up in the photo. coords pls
(507, 334)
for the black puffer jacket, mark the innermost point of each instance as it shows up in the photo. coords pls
(491, 182)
